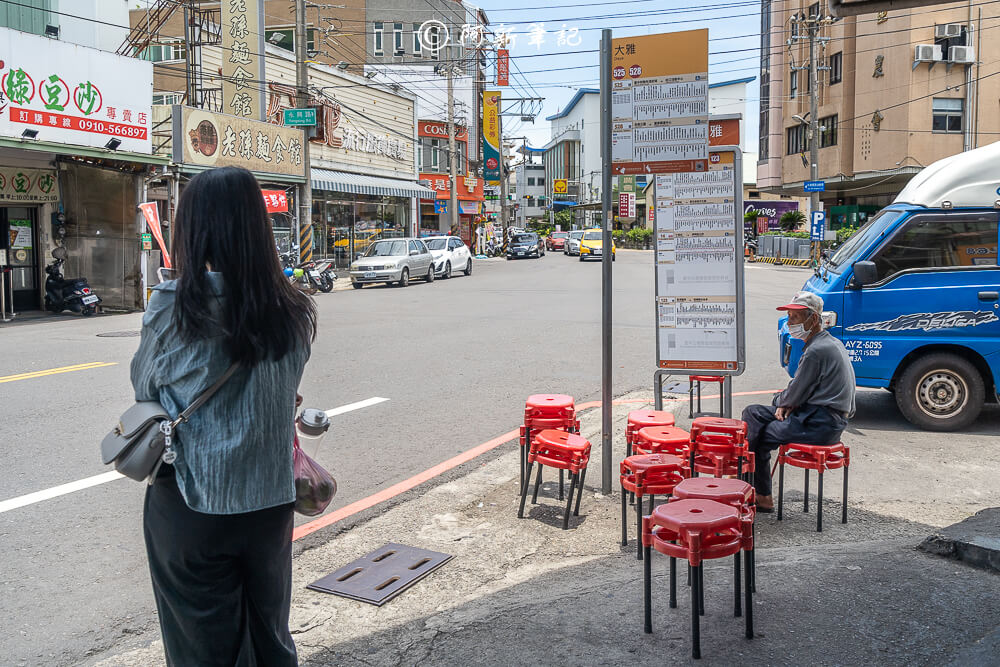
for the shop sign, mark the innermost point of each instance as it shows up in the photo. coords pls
(242, 44)
(72, 94)
(438, 130)
(491, 135)
(217, 140)
(769, 212)
(275, 200)
(145, 241)
(28, 186)
(724, 132)
(441, 206)
(361, 140)
(626, 183)
(626, 205)
(560, 186)
(503, 67)
(468, 188)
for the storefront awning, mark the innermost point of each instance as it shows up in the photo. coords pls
(342, 181)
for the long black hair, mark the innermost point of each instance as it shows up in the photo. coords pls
(222, 222)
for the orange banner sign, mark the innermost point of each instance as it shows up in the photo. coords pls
(152, 214)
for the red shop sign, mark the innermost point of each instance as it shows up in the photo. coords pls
(275, 200)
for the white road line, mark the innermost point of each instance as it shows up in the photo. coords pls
(103, 478)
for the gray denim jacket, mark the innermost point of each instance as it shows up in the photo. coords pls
(235, 453)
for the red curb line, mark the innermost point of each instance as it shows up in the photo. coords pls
(443, 467)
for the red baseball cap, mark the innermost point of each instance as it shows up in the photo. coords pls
(805, 301)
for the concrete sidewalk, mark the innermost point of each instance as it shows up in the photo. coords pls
(526, 592)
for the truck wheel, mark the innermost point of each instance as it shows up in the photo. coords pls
(940, 392)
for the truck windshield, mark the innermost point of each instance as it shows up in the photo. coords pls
(861, 238)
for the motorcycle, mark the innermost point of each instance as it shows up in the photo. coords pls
(314, 275)
(67, 293)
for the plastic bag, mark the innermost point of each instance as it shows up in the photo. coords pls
(314, 486)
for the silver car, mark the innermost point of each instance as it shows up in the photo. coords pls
(572, 246)
(393, 261)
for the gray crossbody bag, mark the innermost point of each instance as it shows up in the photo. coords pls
(143, 437)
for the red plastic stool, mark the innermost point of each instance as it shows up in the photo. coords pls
(719, 455)
(652, 475)
(813, 457)
(723, 425)
(695, 381)
(545, 411)
(640, 419)
(696, 530)
(562, 450)
(662, 440)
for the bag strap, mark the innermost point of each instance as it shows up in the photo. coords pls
(207, 394)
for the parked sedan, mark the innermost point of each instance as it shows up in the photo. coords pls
(393, 261)
(526, 244)
(572, 246)
(556, 240)
(450, 253)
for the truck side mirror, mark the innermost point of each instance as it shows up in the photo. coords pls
(865, 273)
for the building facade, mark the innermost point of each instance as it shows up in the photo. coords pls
(530, 190)
(896, 92)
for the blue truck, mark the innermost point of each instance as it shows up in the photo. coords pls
(914, 294)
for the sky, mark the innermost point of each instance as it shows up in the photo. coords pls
(550, 65)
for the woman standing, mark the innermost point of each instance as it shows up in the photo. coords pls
(218, 522)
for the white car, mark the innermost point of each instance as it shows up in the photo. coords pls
(450, 255)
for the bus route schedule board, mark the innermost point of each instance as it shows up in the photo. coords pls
(659, 103)
(699, 267)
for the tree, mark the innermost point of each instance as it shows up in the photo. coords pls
(790, 220)
(564, 219)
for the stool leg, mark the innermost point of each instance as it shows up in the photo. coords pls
(737, 611)
(701, 588)
(781, 487)
(695, 629)
(524, 490)
(843, 517)
(819, 504)
(805, 499)
(647, 594)
(579, 492)
(722, 399)
(524, 453)
(652, 501)
(673, 583)
(638, 523)
(749, 596)
(538, 483)
(699, 397)
(569, 503)
(561, 484)
(691, 401)
(625, 518)
(753, 558)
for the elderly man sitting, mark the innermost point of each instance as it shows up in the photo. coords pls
(817, 403)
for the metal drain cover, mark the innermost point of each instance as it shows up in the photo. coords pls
(119, 334)
(382, 574)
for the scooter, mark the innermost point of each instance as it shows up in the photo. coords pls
(319, 275)
(67, 293)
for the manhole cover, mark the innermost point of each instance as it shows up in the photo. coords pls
(119, 334)
(381, 575)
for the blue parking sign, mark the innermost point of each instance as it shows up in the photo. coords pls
(817, 226)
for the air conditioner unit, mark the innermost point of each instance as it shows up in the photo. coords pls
(962, 55)
(948, 30)
(926, 53)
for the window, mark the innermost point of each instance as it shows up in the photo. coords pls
(415, 247)
(793, 84)
(531, 180)
(836, 67)
(797, 141)
(454, 244)
(435, 153)
(168, 98)
(828, 133)
(166, 51)
(379, 28)
(285, 38)
(397, 39)
(930, 242)
(541, 181)
(813, 10)
(947, 114)
(416, 40)
(754, 194)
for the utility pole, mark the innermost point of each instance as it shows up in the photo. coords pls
(503, 183)
(302, 102)
(452, 155)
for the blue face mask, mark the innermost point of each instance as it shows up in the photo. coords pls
(799, 330)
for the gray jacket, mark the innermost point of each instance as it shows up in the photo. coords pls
(235, 454)
(824, 377)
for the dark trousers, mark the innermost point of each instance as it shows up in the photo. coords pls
(808, 425)
(223, 583)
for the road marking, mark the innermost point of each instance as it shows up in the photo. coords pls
(56, 371)
(443, 467)
(104, 478)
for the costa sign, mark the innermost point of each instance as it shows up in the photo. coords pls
(438, 130)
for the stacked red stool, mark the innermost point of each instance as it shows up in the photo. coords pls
(561, 450)
(695, 530)
(640, 419)
(694, 381)
(718, 447)
(814, 457)
(652, 475)
(546, 411)
(662, 440)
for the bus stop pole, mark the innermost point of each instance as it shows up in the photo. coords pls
(607, 433)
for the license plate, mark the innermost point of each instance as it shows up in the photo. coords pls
(520, 252)
(597, 252)
(314, 274)
(87, 300)
(370, 274)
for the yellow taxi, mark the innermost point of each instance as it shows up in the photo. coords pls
(591, 245)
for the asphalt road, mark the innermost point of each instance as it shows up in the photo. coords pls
(455, 359)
